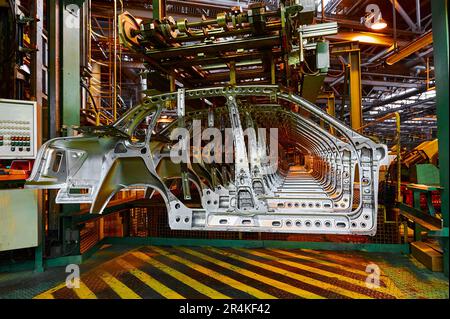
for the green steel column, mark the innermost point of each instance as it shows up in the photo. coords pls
(159, 9)
(53, 68)
(37, 11)
(70, 64)
(70, 98)
(439, 10)
(7, 51)
(40, 249)
(417, 228)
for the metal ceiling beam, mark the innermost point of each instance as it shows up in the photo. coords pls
(398, 97)
(225, 76)
(389, 75)
(217, 59)
(343, 21)
(418, 22)
(389, 84)
(363, 37)
(332, 5)
(406, 106)
(357, 4)
(215, 47)
(404, 15)
(133, 65)
(375, 83)
(411, 48)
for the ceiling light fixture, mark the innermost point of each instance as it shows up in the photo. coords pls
(373, 19)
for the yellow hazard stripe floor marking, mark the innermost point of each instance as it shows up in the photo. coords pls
(391, 288)
(207, 291)
(361, 283)
(287, 273)
(264, 279)
(84, 292)
(336, 257)
(216, 275)
(44, 295)
(49, 293)
(119, 288)
(157, 286)
(298, 254)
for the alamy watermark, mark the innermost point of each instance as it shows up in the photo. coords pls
(72, 16)
(373, 279)
(73, 279)
(255, 147)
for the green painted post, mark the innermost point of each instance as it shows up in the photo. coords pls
(53, 69)
(155, 9)
(70, 64)
(70, 103)
(416, 204)
(40, 249)
(416, 197)
(159, 9)
(439, 10)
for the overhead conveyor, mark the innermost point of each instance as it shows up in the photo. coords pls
(334, 191)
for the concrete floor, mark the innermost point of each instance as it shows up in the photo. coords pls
(192, 272)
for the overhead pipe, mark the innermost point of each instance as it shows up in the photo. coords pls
(394, 22)
(396, 98)
(355, 5)
(419, 26)
(379, 55)
(404, 15)
(406, 106)
(411, 48)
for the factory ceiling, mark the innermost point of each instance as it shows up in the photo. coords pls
(396, 62)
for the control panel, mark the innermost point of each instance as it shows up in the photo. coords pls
(18, 129)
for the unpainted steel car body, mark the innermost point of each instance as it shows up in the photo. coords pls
(251, 194)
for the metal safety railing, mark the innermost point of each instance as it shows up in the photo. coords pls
(106, 59)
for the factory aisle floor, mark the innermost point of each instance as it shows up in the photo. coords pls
(194, 272)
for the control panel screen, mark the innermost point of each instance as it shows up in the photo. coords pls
(18, 129)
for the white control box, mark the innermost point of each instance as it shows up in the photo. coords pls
(19, 217)
(18, 129)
